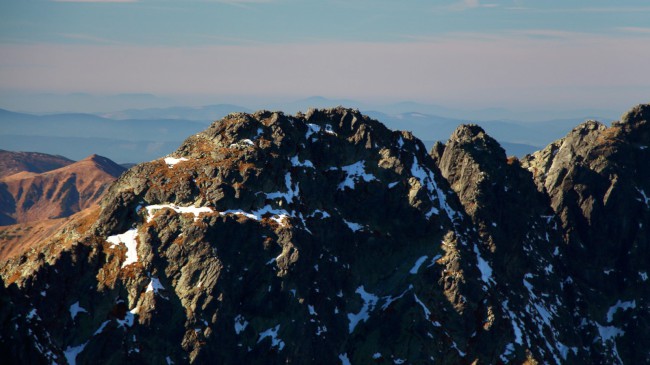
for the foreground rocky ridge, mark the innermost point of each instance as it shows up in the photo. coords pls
(327, 238)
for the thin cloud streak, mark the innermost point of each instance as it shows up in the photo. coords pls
(90, 39)
(95, 1)
(619, 9)
(639, 30)
(467, 4)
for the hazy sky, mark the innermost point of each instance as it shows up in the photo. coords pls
(502, 53)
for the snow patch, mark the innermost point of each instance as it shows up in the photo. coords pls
(240, 324)
(330, 130)
(312, 311)
(389, 300)
(75, 309)
(354, 173)
(101, 328)
(128, 320)
(344, 359)
(353, 226)
(32, 314)
(155, 286)
(311, 129)
(296, 162)
(323, 214)
(369, 302)
(273, 333)
(646, 199)
(483, 266)
(278, 215)
(609, 332)
(515, 325)
(292, 192)
(434, 259)
(619, 306)
(128, 239)
(426, 178)
(242, 143)
(71, 353)
(427, 312)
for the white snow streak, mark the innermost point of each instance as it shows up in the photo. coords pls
(418, 263)
(171, 161)
(182, 210)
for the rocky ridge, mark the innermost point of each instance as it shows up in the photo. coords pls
(327, 238)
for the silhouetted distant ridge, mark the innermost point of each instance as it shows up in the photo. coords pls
(14, 162)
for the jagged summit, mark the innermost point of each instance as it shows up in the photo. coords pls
(325, 237)
(597, 179)
(103, 163)
(638, 114)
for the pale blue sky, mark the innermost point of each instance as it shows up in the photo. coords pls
(493, 53)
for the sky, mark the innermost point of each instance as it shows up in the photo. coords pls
(501, 53)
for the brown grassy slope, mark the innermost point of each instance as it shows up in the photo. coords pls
(29, 197)
(17, 239)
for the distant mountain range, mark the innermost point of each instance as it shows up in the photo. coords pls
(138, 135)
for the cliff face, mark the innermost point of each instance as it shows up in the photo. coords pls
(597, 179)
(520, 239)
(327, 238)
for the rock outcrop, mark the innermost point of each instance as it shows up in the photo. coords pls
(327, 238)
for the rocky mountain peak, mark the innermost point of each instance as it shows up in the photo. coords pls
(468, 133)
(325, 237)
(637, 114)
(597, 179)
